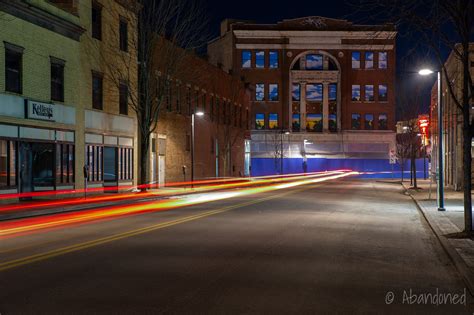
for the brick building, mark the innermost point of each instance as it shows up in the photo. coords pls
(58, 109)
(221, 134)
(452, 123)
(323, 91)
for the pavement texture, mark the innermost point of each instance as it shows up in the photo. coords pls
(344, 246)
(447, 225)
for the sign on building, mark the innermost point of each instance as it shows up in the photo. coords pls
(40, 111)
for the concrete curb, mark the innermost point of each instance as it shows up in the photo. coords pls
(454, 256)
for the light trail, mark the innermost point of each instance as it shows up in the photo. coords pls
(218, 184)
(21, 227)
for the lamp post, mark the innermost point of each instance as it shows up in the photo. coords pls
(282, 132)
(199, 113)
(440, 181)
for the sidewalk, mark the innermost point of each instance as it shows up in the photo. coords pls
(447, 225)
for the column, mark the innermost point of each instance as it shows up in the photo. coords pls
(303, 106)
(325, 106)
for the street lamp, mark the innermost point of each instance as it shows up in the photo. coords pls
(282, 132)
(425, 72)
(198, 113)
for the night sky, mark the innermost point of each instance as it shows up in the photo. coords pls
(272, 11)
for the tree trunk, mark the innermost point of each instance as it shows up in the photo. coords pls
(402, 168)
(467, 158)
(414, 172)
(144, 147)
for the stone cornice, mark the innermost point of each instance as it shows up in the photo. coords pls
(42, 18)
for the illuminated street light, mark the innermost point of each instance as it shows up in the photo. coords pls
(200, 113)
(440, 182)
(425, 72)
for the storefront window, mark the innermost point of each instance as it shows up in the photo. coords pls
(3, 163)
(42, 164)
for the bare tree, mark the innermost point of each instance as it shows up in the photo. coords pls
(166, 31)
(440, 25)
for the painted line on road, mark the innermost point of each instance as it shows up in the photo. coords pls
(77, 247)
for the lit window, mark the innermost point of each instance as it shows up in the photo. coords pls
(314, 92)
(273, 60)
(273, 92)
(314, 62)
(369, 93)
(273, 121)
(295, 122)
(296, 92)
(383, 93)
(355, 122)
(246, 59)
(355, 93)
(260, 59)
(259, 92)
(355, 60)
(314, 122)
(369, 60)
(332, 92)
(383, 60)
(369, 122)
(260, 121)
(383, 121)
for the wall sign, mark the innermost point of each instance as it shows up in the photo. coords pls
(41, 111)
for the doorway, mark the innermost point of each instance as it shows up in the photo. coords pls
(110, 167)
(36, 162)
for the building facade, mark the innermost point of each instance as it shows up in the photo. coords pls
(452, 123)
(221, 133)
(323, 91)
(48, 116)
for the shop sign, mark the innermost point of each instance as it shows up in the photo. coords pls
(41, 111)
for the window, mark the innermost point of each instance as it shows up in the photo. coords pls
(314, 92)
(332, 92)
(13, 68)
(246, 59)
(123, 98)
(95, 162)
(383, 121)
(97, 95)
(96, 20)
(178, 98)
(296, 92)
(7, 163)
(383, 93)
(369, 60)
(123, 32)
(355, 93)
(314, 122)
(314, 62)
(188, 100)
(369, 93)
(355, 122)
(260, 121)
(57, 80)
(383, 60)
(260, 59)
(295, 122)
(125, 162)
(168, 95)
(273, 121)
(273, 92)
(274, 64)
(259, 92)
(65, 163)
(355, 60)
(369, 122)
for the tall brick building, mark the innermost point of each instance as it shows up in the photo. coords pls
(323, 91)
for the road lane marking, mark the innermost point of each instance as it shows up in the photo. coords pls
(77, 247)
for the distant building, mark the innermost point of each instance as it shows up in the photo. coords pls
(452, 123)
(329, 83)
(221, 134)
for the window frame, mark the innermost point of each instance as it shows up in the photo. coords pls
(369, 62)
(353, 53)
(380, 53)
(270, 98)
(367, 94)
(123, 34)
(57, 83)
(359, 121)
(262, 93)
(275, 54)
(123, 98)
(13, 51)
(100, 105)
(380, 99)
(96, 24)
(366, 121)
(242, 63)
(261, 59)
(314, 68)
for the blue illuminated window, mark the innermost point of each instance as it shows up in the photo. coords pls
(295, 122)
(314, 92)
(332, 92)
(296, 92)
(260, 59)
(383, 93)
(260, 121)
(369, 122)
(314, 62)
(273, 92)
(355, 93)
(273, 60)
(259, 92)
(246, 59)
(369, 93)
(273, 121)
(369, 60)
(355, 122)
(383, 121)
(383, 60)
(355, 60)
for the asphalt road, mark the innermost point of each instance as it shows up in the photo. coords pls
(335, 247)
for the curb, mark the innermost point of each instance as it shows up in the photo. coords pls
(456, 259)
